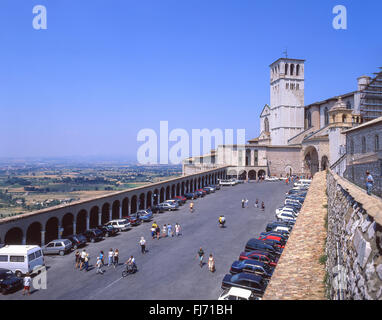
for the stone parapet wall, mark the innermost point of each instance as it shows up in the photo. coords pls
(299, 274)
(354, 247)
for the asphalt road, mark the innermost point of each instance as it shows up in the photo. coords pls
(170, 269)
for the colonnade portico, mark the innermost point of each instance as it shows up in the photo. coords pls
(40, 227)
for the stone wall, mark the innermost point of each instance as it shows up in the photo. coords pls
(354, 247)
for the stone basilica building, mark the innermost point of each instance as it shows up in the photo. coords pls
(295, 138)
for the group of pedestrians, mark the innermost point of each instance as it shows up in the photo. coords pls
(211, 260)
(244, 204)
(166, 231)
(82, 260)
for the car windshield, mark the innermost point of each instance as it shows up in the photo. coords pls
(6, 275)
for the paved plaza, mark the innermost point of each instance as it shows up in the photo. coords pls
(170, 269)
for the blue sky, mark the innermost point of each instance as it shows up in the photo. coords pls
(103, 70)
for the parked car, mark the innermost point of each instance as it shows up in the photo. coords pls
(173, 201)
(168, 206)
(134, 219)
(93, 235)
(120, 224)
(284, 224)
(77, 240)
(230, 182)
(9, 281)
(277, 244)
(200, 193)
(209, 189)
(206, 189)
(156, 208)
(190, 196)
(256, 244)
(252, 266)
(145, 215)
(108, 230)
(262, 256)
(236, 294)
(283, 230)
(252, 282)
(216, 186)
(59, 246)
(281, 235)
(182, 199)
(286, 217)
(287, 209)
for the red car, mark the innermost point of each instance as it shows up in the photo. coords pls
(202, 190)
(259, 256)
(276, 238)
(274, 243)
(181, 198)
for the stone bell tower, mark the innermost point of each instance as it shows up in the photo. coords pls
(286, 99)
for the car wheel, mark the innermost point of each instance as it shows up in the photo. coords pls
(61, 253)
(18, 274)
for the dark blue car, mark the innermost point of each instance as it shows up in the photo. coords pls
(252, 266)
(257, 284)
(145, 215)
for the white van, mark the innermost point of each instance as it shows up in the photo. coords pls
(22, 259)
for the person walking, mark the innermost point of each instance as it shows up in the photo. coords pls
(86, 262)
(82, 259)
(142, 243)
(116, 258)
(369, 182)
(153, 232)
(200, 256)
(157, 230)
(191, 207)
(77, 259)
(102, 257)
(99, 266)
(242, 203)
(110, 256)
(169, 231)
(262, 206)
(246, 202)
(164, 231)
(177, 229)
(27, 284)
(257, 203)
(211, 263)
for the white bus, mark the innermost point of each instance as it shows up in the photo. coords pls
(22, 259)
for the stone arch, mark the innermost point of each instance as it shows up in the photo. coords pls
(149, 197)
(14, 236)
(232, 173)
(33, 235)
(187, 186)
(173, 191)
(125, 207)
(51, 228)
(243, 175)
(134, 204)
(286, 69)
(67, 224)
(141, 201)
(156, 196)
(311, 164)
(261, 174)
(178, 189)
(105, 216)
(297, 70)
(324, 163)
(115, 210)
(93, 217)
(292, 69)
(167, 192)
(252, 175)
(81, 221)
(202, 182)
(288, 171)
(199, 183)
(182, 188)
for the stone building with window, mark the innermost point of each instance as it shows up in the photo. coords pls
(364, 152)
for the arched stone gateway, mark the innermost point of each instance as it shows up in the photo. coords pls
(311, 164)
(149, 197)
(142, 201)
(81, 221)
(134, 204)
(125, 207)
(173, 191)
(182, 188)
(168, 192)
(34, 234)
(232, 174)
(51, 228)
(324, 163)
(105, 217)
(67, 224)
(14, 236)
(115, 213)
(178, 189)
(93, 219)
(261, 174)
(243, 175)
(288, 171)
(252, 175)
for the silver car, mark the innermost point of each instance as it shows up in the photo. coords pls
(60, 247)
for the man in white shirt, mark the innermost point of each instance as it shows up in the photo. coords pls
(27, 284)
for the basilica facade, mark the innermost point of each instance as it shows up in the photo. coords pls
(294, 138)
